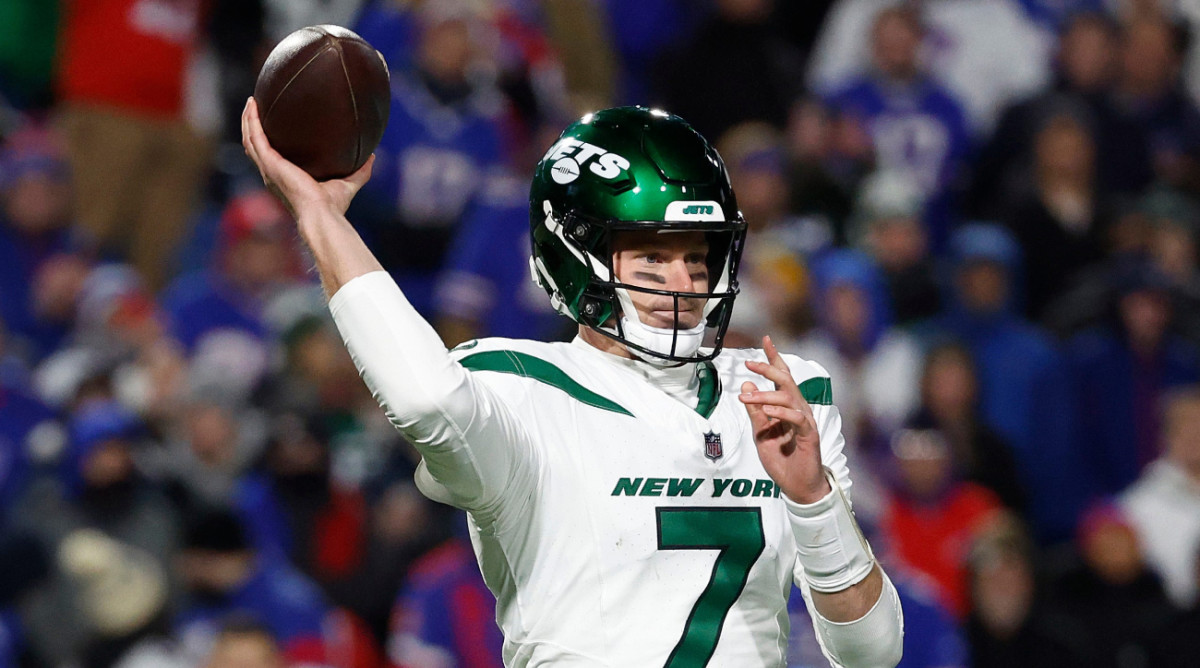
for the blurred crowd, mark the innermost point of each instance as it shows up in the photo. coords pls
(981, 217)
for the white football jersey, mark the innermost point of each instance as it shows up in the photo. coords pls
(621, 527)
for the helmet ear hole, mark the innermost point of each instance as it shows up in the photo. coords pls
(589, 308)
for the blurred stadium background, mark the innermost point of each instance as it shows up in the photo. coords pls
(980, 215)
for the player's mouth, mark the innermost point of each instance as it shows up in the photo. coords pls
(665, 318)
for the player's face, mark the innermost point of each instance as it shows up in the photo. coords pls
(673, 261)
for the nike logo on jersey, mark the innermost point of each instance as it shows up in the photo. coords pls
(740, 487)
(570, 155)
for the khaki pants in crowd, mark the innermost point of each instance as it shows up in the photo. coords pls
(136, 182)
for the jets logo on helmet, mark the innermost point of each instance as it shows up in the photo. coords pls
(572, 153)
(630, 169)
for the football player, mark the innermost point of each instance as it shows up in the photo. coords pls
(636, 498)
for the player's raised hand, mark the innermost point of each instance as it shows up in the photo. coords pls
(295, 188)
(785, 430)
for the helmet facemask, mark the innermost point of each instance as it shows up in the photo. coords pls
(606, 305)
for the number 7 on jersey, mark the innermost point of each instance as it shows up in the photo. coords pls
(738, 535)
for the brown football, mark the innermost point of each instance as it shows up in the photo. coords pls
(323, 97)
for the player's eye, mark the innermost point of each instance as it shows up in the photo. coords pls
(652, 258)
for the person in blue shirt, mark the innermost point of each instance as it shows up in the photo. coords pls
(445, 615)
(35, 196)
(226, 577)
(485, 289)
(1025, 392)
(442, 140)
(1136, 354)
(1052, 14)
(256, 257)
(915, 124)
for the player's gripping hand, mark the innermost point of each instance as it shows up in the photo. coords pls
(785, 430)
(298, 191)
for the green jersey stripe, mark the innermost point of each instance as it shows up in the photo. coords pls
(817, 391)
(710, 390)
(528, 366)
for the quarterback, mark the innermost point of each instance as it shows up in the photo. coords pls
(636, 498)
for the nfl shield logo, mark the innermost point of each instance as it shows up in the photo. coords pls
(712, 446)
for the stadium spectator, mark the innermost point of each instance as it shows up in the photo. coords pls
(445, 614)
(1171, 243)
(1059, 216)
(1163, 505)
(887, 225)
(988, 52)
(824, 163)
(225, 304)
(915, 125)
(119, 347)
(404, 526)
(1109, 592)
(755, 155)
(513, 50)
(1025, 387)
(876, 366)
(773, 279)
(1085, 73)
(640, 32)
(104, 488)
(226, 575)
(209, 445)
(733, 68)
(96, 490)
(1150, 94)
(244, 643)
(136, 163)
(294, 511)
(442, 141)
(1137, 351)
(485, 289)
(1011, 625)
(932, 515)
(949, 389)
(35, 217)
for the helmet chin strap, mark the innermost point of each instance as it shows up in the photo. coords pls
(687, 341)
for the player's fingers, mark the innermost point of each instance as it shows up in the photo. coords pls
(363, 174)
(797, 418)
(773, 356)
(758, 419)
(777, 397)
(268, 157)
(247, 145)
(781, 377)
(250, 128)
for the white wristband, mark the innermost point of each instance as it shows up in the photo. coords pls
(833, 551)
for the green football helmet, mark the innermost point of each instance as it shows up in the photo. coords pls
(629, 169)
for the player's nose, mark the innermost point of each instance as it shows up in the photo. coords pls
(679, 276)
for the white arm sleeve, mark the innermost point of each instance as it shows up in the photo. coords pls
(875, 640)
(470, 442)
